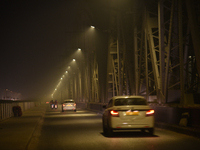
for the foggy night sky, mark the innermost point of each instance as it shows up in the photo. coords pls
(33, 40)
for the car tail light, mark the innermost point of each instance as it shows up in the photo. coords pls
(150, 112)
(63, 104)
(74, 104)
(114, 113)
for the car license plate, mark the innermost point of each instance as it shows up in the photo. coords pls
(132, 113)
(69, 105)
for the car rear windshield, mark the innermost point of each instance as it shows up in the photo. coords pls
(68, 101)
(130, 101)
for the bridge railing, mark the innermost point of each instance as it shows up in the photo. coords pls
(91, 106)
(163, 114)
(6, 107)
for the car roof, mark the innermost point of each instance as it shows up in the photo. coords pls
(128, 96)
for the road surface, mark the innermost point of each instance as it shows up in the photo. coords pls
(82, 130)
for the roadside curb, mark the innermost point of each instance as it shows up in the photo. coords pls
(35, 129)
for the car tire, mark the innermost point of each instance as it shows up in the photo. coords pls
(143, 130)
(104, 127)
(109, 130)
(151, 131)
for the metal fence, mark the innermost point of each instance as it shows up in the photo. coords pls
(6, 107)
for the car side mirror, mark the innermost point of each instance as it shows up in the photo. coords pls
(104, 106)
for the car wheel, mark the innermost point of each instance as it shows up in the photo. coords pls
(109, 129)
(151, 131)
(104, 127)
(143, 130)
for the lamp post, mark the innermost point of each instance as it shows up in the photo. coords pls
(81, 79)
(73, 81)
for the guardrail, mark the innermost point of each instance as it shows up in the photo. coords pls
(7, 105)
(91, 106)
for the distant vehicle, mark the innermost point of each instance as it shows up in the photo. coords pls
(52, 104)
(69, 104)
(56, 104)
(127, 113)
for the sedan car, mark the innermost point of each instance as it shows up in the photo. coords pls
(69, 104)
(128, 113)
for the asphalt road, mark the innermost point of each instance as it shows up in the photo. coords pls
(82, 130)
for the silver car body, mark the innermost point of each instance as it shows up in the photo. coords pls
(69, 104)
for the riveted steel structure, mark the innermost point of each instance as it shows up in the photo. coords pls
(164, 64)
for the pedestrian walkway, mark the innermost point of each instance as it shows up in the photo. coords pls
(16, 132)
(192, 131)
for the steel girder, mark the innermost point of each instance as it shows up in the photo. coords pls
(120, 68)
(95, 82)
(116, 73)
(113, 58)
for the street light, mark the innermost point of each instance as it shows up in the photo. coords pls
(68, 70)
(92, 27)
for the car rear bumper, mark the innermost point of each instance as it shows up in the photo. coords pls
(69, 108)
(117, 123)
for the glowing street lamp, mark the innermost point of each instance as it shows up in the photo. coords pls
(74, 59)
(92, 27)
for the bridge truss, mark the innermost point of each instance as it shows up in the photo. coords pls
(162, 61)
(153, 51)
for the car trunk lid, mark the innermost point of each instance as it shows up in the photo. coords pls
(132, 112)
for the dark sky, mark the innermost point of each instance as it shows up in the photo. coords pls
(33, 40)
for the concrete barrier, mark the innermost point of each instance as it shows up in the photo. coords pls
(173, 115)
(81, 105)
(91, 106)
(7, 105)
(164, 114)
(96, 106)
